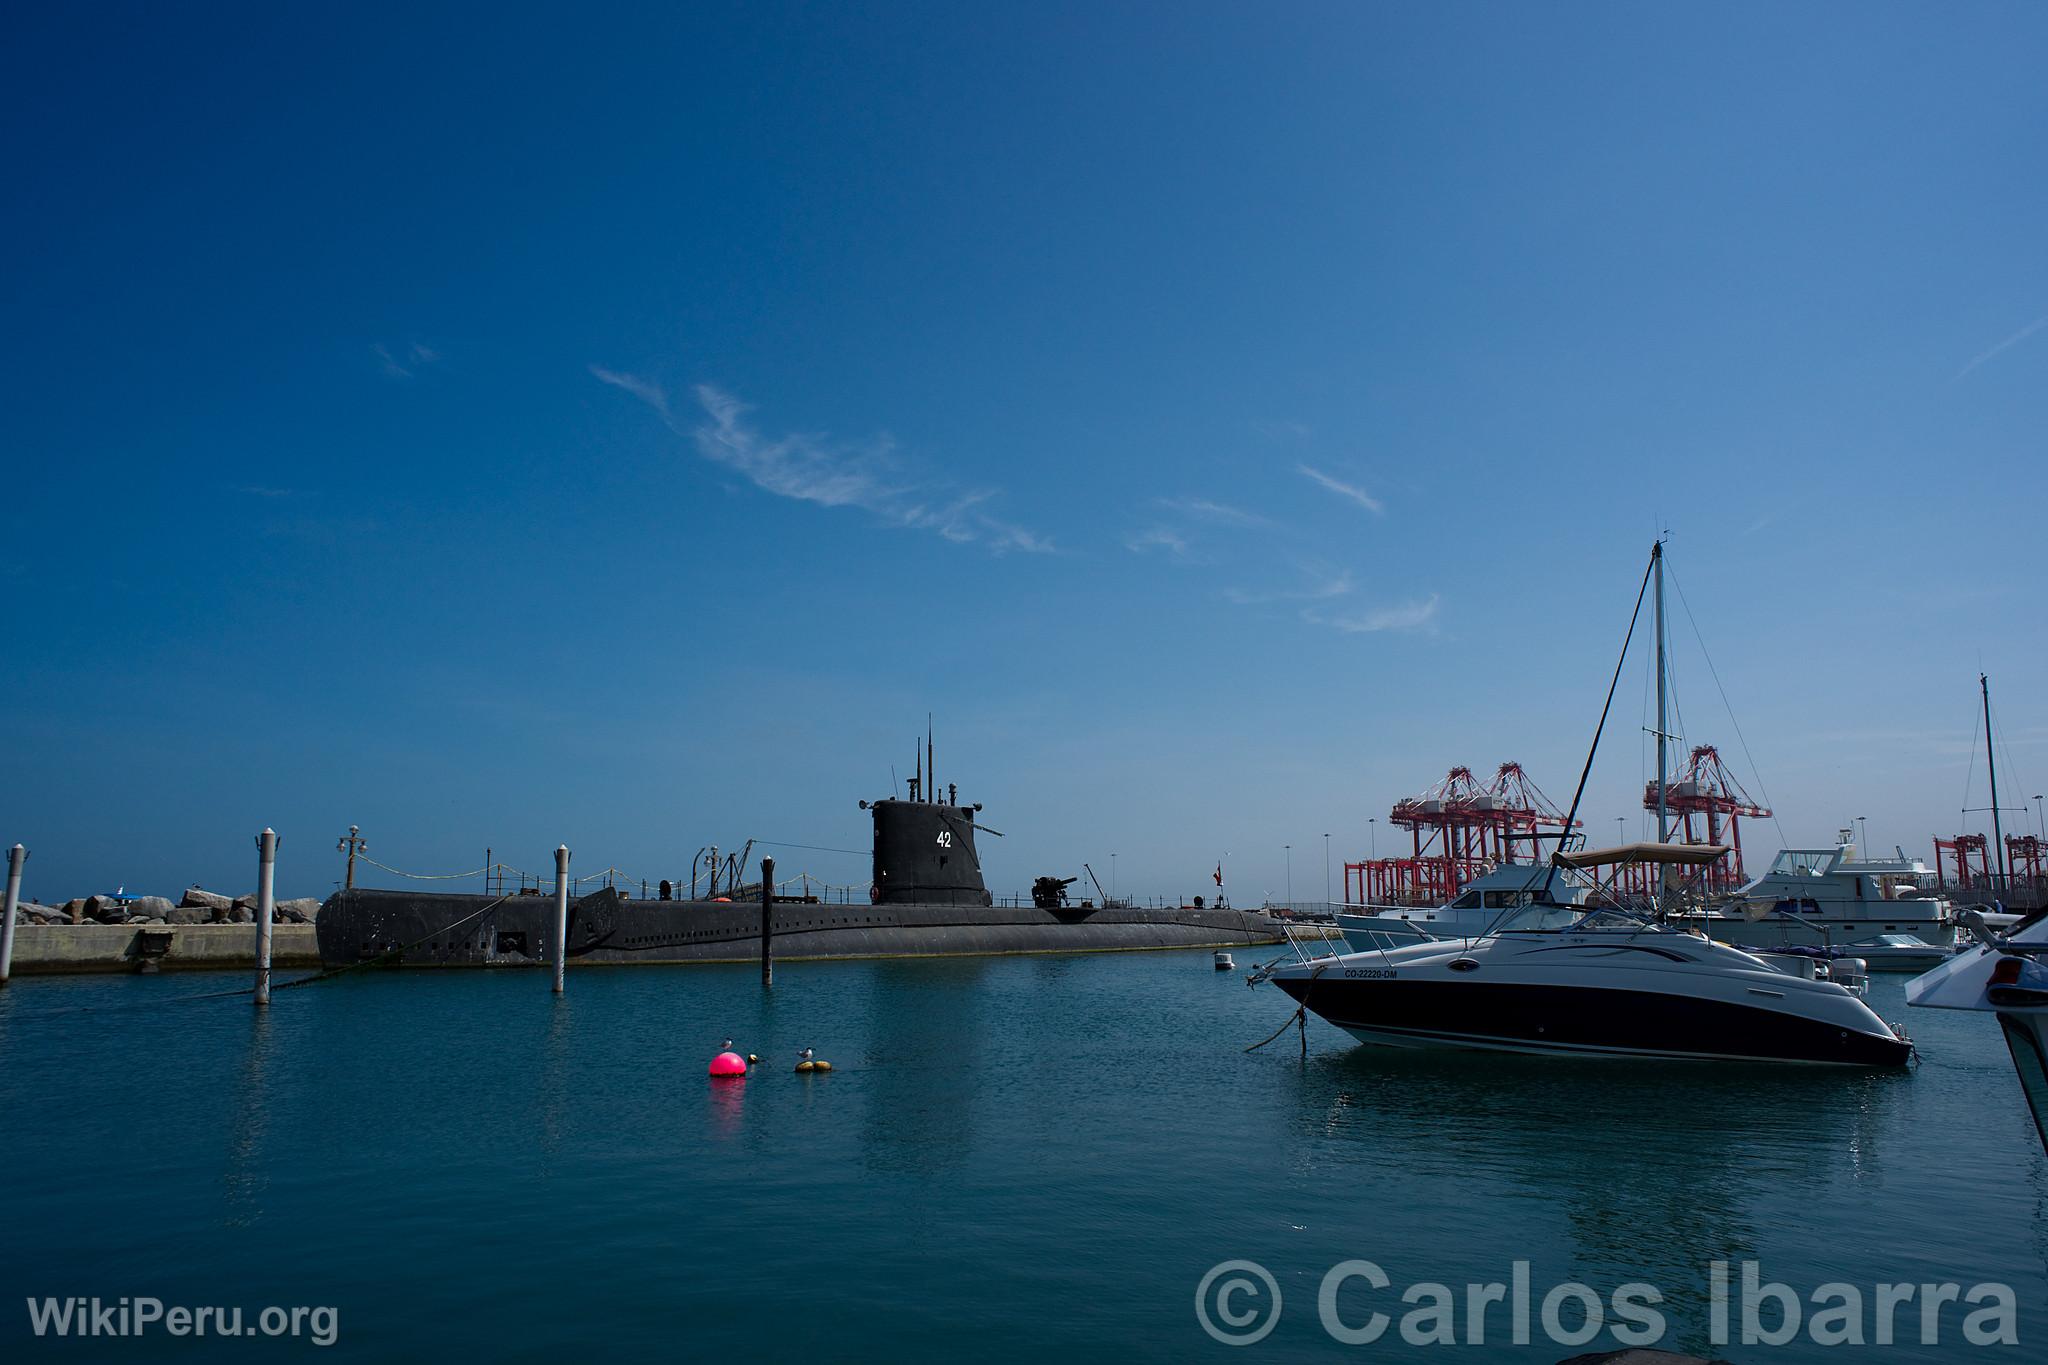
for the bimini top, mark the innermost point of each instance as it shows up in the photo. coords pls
(1685, 855)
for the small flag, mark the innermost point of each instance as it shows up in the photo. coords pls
(1219, 874)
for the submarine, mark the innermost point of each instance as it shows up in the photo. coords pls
(927, 899)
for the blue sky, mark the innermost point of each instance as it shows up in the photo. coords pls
(622, 429)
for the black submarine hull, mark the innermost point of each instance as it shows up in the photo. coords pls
(414, 929)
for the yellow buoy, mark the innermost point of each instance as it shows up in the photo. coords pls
(806, 1067)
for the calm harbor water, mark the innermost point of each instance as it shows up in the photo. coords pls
(1015, 1157)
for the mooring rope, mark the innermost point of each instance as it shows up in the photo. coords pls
(1292, 1020)
(1299, 1019)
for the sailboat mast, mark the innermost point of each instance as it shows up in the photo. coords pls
(1991, 763)
(1663, 809)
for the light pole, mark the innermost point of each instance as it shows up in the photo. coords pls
(1112, 874)
(1863, 835)
(1372, 838)
(1326, 872)
(1290, 874)
(2040, 826)
(352, 843)
(1621, 829)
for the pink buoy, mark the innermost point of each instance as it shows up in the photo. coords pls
(728, 1064)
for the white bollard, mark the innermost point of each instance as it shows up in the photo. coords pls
(561, 913)
(266, 870)
(16, 856)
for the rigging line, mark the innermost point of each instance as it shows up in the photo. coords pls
(1755, 773)
(1605, 706)
(421, 876)
(2005, 752)
(815, 848)
(1643, 744)
(1970, 772)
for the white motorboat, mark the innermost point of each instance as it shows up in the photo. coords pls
(2006, 975)
(1554, 977)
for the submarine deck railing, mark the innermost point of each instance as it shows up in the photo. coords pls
(818, 893)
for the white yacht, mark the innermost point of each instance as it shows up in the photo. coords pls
(1563, 978)
(2003, 974)
(1552, 977)
(1883, 910)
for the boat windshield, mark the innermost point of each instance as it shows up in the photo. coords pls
(1802, 862)
(1541, 915)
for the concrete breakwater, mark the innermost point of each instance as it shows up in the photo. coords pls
(49, 949)
(148, 933)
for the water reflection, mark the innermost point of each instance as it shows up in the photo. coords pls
(727, 1106)
(922, 1079)
(1653, 1169)
(556, 1085)
(245, 1179)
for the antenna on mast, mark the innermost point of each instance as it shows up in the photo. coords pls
(931, 766)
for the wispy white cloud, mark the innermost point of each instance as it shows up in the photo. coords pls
(1342, 489)
(1221, 514)
(645, 390)
(1320, 583)
(1157, 538)
(1417, 615)
(807, 468)
(1005, 536)
(815, 468)
(328, 530)
(406, 362)
(2002, 347)
(1282, 428)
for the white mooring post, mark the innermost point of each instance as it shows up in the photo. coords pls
(266, 905)
(16, 856)
(561, 913)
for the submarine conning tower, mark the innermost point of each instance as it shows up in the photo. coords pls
(924, 854)
(924, 849)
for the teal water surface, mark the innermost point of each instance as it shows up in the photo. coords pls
(1015, 1158)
